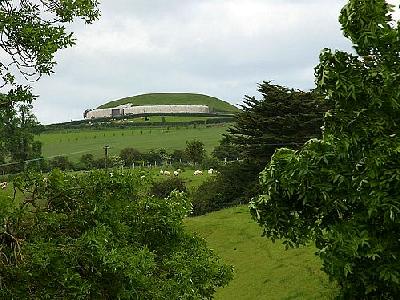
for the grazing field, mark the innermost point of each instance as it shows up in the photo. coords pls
(263, 270)
(75, 143)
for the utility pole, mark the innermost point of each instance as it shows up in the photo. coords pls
(106, 147)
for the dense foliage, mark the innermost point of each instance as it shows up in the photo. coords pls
(31, 33)
(100, 236)
(232, 185)
(130, 156)
(227, 151)
(163, 188)
(195, 151)
(343, 191)
(17, 127)
(282, 116)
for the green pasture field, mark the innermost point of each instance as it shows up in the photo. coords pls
(263, 270)
(75, 143)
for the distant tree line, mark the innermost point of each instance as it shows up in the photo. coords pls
(120, 123)
(194, 154)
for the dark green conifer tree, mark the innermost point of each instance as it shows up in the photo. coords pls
(283, 116)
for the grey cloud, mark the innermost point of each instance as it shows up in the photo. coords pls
(218, 47)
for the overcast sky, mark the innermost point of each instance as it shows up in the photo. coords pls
(221, 48)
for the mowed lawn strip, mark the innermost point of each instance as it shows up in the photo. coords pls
(75, 143)
(263, 270)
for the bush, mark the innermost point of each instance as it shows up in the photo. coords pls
(210, 162)
(178, 156)
(207, 197)
(228, 188)
(178, 165)
(130, 156)
(152, 156)
(163, 189)
(87, 161)
(97, 236)
(226, 150)
(61, 162)
(195, 151)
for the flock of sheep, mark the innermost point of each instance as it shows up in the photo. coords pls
(177, 172)
(3, 185)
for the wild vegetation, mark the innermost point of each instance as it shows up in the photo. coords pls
(96, 236)
(119, 234)
(31, 35)
(281, 117)
(17, 128)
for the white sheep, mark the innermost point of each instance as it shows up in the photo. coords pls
(176, 173)
(211, 171)
(4, 185)
(167, 173)
(161, 172)
(198, 172)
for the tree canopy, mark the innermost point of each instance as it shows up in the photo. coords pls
(343, 191)
(195, 151)
(31, 33)
(283, 116)
(101, 236)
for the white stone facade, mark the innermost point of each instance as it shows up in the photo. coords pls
(125, 110)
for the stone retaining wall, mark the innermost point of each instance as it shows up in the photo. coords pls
(147, 109)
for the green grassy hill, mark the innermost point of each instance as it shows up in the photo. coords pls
(215, 104)
(263, 270)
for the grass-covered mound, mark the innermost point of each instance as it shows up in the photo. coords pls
(215, 104)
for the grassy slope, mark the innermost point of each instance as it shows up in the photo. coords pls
(263, 270)
(76, 143)
(174, 98)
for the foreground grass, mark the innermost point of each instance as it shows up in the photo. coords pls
(263, 270)
(75, 143)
